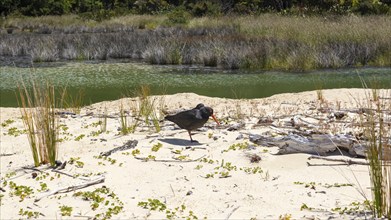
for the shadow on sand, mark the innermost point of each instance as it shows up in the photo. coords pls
(179, 142)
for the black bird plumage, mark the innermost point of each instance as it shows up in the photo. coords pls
(193, 118)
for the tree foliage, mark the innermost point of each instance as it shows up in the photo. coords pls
(194, 7)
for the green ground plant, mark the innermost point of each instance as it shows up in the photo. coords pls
(20, 191)
(156, 147)
(29, 214)
(171, 213)
(102, 200)
(7, 122)
(66, 210)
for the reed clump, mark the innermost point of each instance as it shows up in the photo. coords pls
(377, 132)
(266, 41)
(37, 107)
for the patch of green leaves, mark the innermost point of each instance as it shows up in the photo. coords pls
(252, 170)
(175, 213)
(237, 146)
(19, 190)
(29, 214)
(78, 138)
(354, 208)
(13, 131)
(135, 152)
(66, 210)
(153, 204)
(76, 161)
(7, 122)
(102, 197)
(156, 147)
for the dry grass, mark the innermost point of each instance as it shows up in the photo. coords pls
(266, 41)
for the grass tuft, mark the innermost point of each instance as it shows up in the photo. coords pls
(38, 106)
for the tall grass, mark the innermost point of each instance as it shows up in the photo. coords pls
(148, 107)
(378, 134)
(266, 41)
(125, 128)
(71, 102)
(38, 106)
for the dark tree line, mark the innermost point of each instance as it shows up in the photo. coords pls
(194, 7)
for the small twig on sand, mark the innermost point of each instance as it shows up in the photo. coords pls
(70, 188)
(172, 189)
(162, 160)
(70, 175)
(233, 210)
(36, 169)
(346, 161)
(6, 155)
(61, 172)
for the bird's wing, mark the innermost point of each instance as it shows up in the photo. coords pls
(186, 118)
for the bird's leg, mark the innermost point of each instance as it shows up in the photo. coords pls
(191, 139)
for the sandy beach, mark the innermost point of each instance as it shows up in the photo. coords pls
(222, 176)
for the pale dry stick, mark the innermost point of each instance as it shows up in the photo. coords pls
(309, 124)
(278, 130)
(172, 189)
(70, 188)
(84, 216)
(346, 161)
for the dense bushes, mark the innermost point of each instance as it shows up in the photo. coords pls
(97, 8)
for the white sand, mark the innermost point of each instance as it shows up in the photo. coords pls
(267, 195)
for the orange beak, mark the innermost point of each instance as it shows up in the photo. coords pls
(214, 118)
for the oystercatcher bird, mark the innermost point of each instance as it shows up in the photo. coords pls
(193, 118)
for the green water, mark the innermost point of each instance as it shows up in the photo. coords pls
(108, 81)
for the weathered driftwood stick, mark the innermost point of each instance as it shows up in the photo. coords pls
(128, 145)
(347, 161)
(165, 160)
(70, 188)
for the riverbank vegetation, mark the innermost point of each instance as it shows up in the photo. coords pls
(282, 35)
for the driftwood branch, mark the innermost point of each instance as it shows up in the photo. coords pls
(128, 145)
(70, 188)
(316, 144)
